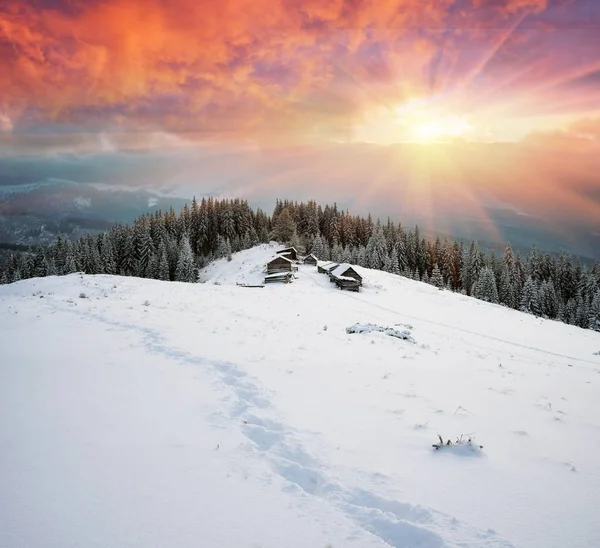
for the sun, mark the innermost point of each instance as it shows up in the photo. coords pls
(415, 121)
(440, 128)
(427, 123)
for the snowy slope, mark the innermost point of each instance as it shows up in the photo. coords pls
(200, 415)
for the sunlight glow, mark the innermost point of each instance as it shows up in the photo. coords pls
(426, 122)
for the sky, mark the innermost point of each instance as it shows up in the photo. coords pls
(432, 106)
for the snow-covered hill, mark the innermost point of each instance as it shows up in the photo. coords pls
(138, 413)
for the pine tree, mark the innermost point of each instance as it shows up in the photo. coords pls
(222, 247)
(163, 262)
(387, 267)
(317, 248)
(70, 266)
(548, 301)
(127, 263)
(530, 297)
(436, 277)
(107, 256)
(143, 248)
(594, 319)
(395, 266)
(284, 226)
(185, 271)
(485, 286)
(377, 249)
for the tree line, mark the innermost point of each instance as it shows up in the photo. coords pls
(170, 246)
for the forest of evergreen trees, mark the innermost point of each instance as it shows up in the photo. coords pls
(170, 246)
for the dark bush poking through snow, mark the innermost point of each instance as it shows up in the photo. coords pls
(459, 446)
(370, 327)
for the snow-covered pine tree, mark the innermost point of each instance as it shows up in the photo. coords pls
(337, 252)
(127, 263)
(163, 262)
(485, 286)
(530, 297)
(377, 249)
(395, 266)
(317, 249)
(284, 226)
(594, 319)
(387, 266)
(107, 255)
(347, 255)
(295, 240)
(436, 277)
(185, 271)
(143, 247)
(548, 301)
(70, 265)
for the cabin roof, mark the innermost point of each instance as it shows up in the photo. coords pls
(341, 270)
(279, 258)
(287, 249)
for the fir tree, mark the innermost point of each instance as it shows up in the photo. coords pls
(485, 286)
(185, 271)
(395, 265)
(436, 277)
(594, 318)
(530, 297)
(317, 248)
(163, 262)
(377, 249)
(284, 226)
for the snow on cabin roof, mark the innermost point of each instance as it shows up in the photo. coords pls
(326, 264)
(347, 278)
(279, 257)
(339, 271)
(278, 275)
(287, 249)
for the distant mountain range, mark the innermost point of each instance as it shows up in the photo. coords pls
(35, 213)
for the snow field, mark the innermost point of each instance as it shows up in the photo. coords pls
(218, 415)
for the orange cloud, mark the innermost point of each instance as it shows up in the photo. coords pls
(248, 66)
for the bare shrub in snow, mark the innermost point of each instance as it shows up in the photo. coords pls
(82, 295)
(460, 446)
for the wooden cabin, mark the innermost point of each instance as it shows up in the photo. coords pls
(290, 253)
(311, 259)
(346, 271)
(345, 277)
(279, 264)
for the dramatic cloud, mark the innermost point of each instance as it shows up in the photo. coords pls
(276, 67)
